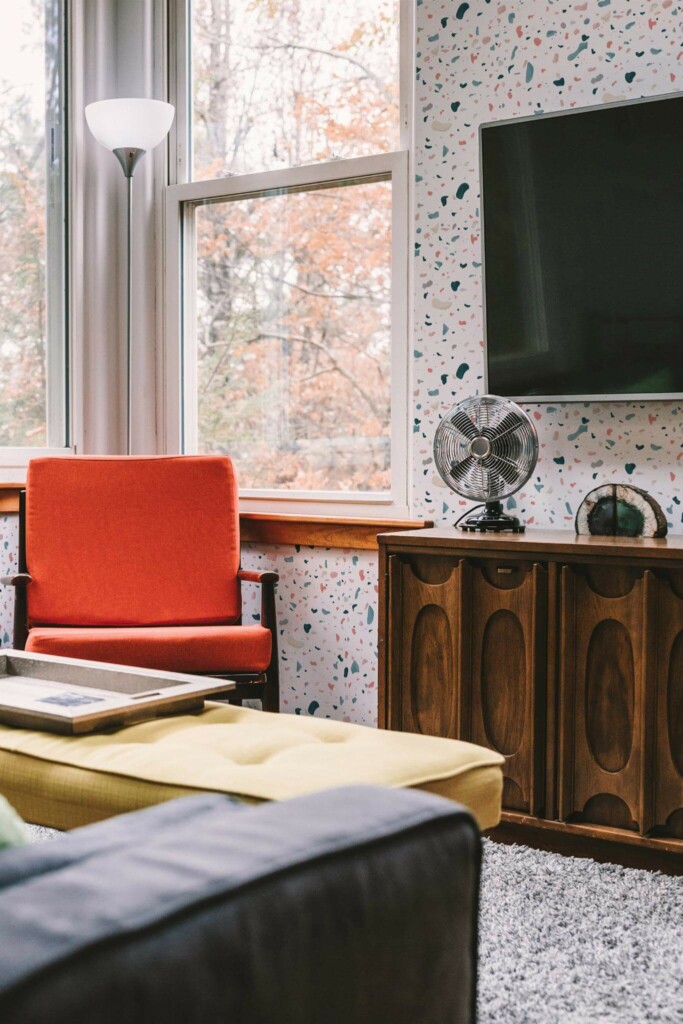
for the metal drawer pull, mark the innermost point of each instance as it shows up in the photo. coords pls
(501, 570)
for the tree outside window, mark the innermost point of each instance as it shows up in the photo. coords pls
(31, 219)
(292, 285)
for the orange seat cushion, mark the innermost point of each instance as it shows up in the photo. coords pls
(132, 541)
(167, 648)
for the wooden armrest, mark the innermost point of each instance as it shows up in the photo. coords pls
(249, 576)
(20, 579)
(267, 581)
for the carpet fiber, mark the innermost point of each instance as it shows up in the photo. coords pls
(569, 941)
(565, 940)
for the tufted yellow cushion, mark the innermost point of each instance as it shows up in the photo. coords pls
(65, 781)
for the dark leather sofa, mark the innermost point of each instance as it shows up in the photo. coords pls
(356, 905)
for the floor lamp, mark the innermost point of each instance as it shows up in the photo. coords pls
(129, 127)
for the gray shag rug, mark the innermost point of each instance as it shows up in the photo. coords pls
(564, 940)
(40, 834)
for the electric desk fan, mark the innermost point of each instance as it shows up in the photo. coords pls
(485, 449)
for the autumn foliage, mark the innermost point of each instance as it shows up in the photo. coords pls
(23, 201)
(292, 304)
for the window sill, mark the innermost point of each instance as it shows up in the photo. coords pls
(14, 463)
(320, 531)
(9, 497)
(357, 533)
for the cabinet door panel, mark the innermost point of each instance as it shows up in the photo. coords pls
(505, 669)
(607, 623)
(426, 630)
(668, 773)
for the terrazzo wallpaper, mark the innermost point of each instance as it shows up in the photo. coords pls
(9, 540)
(327, 616)
(477, 61)
(486, 61)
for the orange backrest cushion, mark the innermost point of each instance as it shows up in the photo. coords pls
(132, 541)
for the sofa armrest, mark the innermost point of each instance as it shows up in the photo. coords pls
(27, 863)
(346, 906)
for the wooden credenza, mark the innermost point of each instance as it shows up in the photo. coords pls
(564, 653)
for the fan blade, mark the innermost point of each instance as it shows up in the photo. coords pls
(511, 446)
(495, 484)
(461, 422)
(491, 483)
(509, 422)
(509, 471)
(459, 470)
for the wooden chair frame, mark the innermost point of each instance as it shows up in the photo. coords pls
(263, 686)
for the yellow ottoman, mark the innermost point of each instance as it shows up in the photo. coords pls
(65, 781)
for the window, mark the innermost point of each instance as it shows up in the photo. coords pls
(289, 246)
(32, 229)
(277, 83)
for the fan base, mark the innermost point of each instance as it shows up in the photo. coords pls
(492, 520)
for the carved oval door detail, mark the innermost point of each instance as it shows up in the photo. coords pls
(503, 678)
(675, 703)
(610, 695)
(431, 671)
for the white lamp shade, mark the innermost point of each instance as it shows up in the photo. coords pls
(129, 123)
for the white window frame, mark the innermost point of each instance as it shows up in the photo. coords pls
(182, 198)
(14, 460)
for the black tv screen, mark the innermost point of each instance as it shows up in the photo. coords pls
(583, 252)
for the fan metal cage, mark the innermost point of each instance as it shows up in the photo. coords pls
(485, 448)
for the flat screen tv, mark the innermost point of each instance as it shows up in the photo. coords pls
(583, 253)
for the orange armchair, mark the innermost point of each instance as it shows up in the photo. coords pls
(136, 561)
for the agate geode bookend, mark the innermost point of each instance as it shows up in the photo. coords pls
(620, 510)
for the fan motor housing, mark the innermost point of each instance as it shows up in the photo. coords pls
(480, 447)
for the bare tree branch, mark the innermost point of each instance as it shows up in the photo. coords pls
(336, 365)
(367, 72)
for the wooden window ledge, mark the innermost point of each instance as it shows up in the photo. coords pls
(9, 497)
(278, 528)
(320, 531)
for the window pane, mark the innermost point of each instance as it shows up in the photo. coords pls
(31, 218)
(278, 83)
(293, 336)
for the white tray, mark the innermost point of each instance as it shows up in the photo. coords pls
(65, 695)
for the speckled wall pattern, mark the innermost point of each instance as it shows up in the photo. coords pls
(477, 61)
(486, 61)
(327, 616)
(9, 539)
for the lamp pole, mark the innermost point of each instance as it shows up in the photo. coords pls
(128, 158)
(129, 128)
